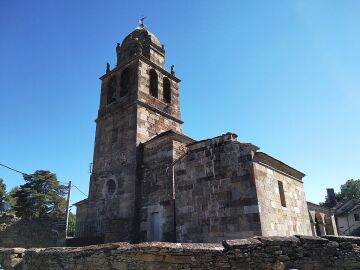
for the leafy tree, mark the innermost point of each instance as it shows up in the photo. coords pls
(41, 196)
(349, 190)
(11, 200)
(2, 195)
(71, 224)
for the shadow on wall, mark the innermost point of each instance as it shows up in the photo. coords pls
(17, 232)
(83, 241)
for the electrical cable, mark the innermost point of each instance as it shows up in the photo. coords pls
(15, 170)
(79, 190)
(12, 169)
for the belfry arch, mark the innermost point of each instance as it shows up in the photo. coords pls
(153, 88)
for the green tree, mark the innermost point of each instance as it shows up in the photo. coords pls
(349, 190)
(71, 225)
(11, 200)
(2, 195)
(41, 196)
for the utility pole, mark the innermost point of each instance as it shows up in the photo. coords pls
(67, 210)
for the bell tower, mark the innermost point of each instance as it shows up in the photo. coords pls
(139, 100)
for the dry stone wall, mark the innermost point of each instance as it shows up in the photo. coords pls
(17, 232)
(295, 252)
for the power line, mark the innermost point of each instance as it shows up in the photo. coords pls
(13, 169)
(72, 185)
(79, 190)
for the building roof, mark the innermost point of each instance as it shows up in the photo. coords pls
(140, 35)
(81, 202)
(260, 157)
(173, 135)
(321, 208)
(229, 135)
(277, 164)
(347, 207)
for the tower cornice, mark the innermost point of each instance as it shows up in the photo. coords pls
(159, 111)
(147, 61)
(105, 112)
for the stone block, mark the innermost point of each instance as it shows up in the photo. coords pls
(241, 243)
(120, 266)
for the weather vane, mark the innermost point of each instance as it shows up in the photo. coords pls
(141, 22)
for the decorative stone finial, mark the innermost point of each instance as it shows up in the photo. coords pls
(172, 70)
(107, 67)
(141, 22)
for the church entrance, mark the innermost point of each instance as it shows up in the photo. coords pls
(155, 226)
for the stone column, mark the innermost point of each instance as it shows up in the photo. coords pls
(333, 223)
(312, 222)
(322, 229)
(321, 224)
(313, 228)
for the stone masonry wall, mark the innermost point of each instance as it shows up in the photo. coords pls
(17, 232)
(278, 253)
(157, 190)
(158, 186)
(275, 218)
(159, 103)
(154, 115)
(151, 123)
(109, 212)
(215, 192)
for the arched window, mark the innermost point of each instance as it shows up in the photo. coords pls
(153, 83)
(166, 90)
(111, 91)
(125, 82)
(110, 187)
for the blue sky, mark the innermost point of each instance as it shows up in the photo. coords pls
(283, 75)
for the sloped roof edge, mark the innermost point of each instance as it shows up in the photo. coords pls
(176, 135)
(81, 202)
(273, 162)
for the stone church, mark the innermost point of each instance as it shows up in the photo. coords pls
(151, 182)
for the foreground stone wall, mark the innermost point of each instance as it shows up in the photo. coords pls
(300, 252)
(17, 232)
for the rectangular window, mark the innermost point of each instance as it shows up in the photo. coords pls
(357, 217)
(282, 194)
(114, 135)
(155, 226)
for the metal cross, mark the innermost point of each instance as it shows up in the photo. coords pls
(141, 22)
